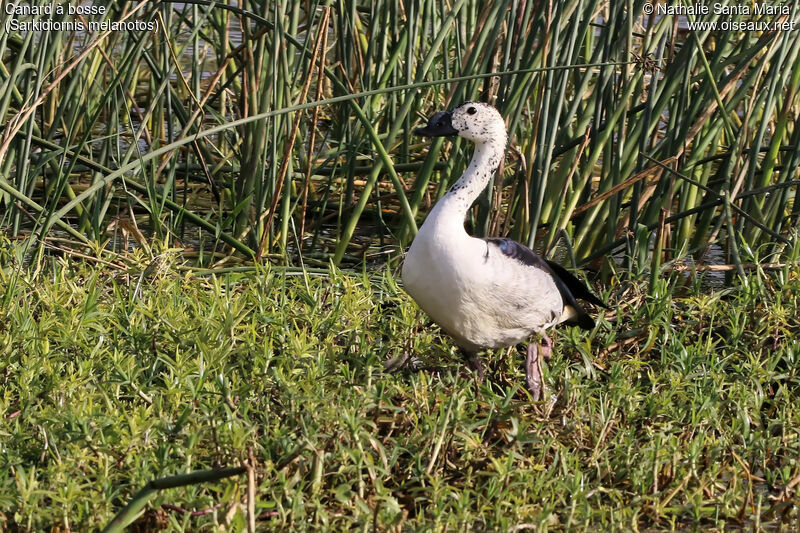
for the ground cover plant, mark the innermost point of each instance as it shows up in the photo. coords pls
(679, 410)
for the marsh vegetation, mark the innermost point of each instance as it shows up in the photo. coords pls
(679, 410)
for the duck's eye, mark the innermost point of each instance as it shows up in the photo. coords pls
(472, 110)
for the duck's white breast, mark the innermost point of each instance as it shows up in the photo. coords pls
(475, 293)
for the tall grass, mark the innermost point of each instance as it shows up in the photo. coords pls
(208, 130)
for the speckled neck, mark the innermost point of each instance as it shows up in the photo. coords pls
(466, 190)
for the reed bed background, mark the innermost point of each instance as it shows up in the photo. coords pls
(274, 130)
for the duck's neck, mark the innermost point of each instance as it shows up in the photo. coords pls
(452, 208)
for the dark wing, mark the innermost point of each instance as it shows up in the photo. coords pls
(568, 285)
(576, 286)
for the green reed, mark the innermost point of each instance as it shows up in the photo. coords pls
(269, 130)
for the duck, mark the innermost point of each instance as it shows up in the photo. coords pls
(487, 293)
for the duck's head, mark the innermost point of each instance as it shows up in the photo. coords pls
(476, 121)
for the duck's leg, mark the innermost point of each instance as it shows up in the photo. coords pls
(547, 346)
(533, 365)
(474, 361)
(533, 371)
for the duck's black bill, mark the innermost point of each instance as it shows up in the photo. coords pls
(439, 125)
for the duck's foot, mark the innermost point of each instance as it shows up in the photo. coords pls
(474, 361)
(533, 365)
(396, 363)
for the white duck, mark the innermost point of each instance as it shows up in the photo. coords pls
(486, 293)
